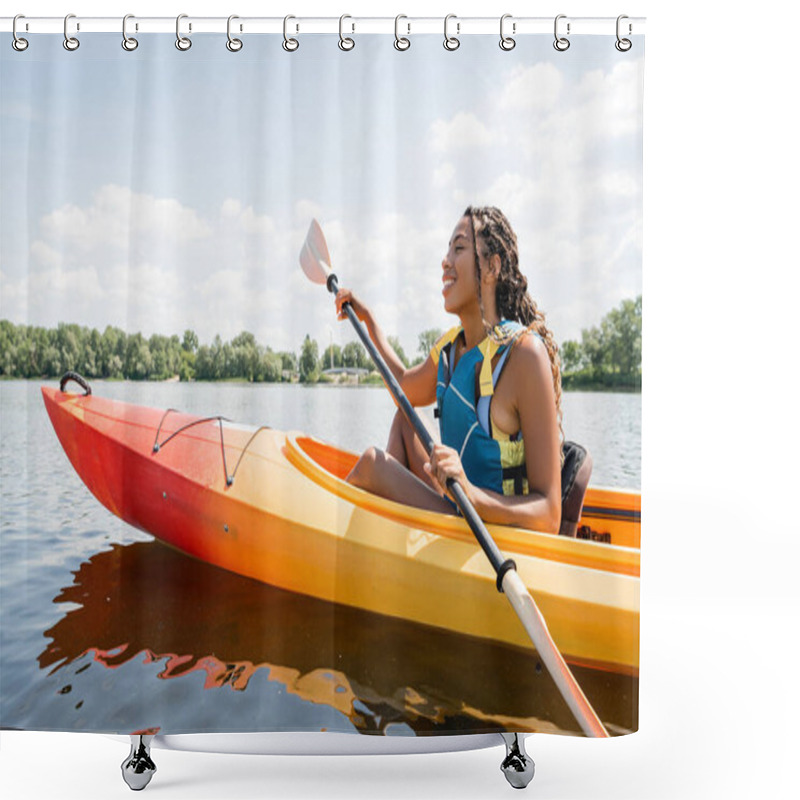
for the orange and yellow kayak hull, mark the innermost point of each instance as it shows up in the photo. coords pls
(289, 519)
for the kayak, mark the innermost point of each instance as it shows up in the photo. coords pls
(275, 507)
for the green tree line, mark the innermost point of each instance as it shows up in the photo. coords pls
(28, 351)
(607, 355)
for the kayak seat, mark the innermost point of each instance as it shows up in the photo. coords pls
(575, 476)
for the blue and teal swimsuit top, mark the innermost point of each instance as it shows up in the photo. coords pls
(491, 459)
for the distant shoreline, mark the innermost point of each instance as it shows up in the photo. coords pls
(597, 387)
(608, 357)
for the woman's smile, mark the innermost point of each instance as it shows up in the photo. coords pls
(457, 265)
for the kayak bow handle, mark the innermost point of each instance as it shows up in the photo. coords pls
(79, 379)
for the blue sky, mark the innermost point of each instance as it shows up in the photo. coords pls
(160, 190)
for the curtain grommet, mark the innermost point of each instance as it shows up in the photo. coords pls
(507, 42)
(234, 45)
(128, 42)
(623, 45)
(401, 43)
(18, 43)
(451, 43)
(71, 43)
(183, 43)
(345, 42)
(289, 45)
(561, 43)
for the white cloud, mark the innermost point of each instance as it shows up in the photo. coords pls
(116, 214)
(13, 298)
(611, 96)
(236, 270)
(46, 255)
(519, 193)
(463, 131)
(58, 294)
(537, 89)
(306, 210)
(618, 183)
(142, 261)
(443, 175)
(230, 207)
(594, 112)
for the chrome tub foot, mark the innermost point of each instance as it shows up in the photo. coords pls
(138, 768)
(517, 766)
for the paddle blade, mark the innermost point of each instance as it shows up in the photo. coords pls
(314, 257)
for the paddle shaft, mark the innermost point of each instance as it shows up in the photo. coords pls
(500, 564)
(505, 569)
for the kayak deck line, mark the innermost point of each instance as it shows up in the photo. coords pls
(193, 422)
(281, 525)
(229, 476)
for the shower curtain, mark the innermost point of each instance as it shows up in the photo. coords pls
(182, 550)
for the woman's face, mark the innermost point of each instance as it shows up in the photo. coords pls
(460, 286)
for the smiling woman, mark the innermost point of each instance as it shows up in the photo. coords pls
(496, 388)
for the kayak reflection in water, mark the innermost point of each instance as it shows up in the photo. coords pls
(496, 382)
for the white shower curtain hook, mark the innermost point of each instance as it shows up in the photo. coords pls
(128, 42)
(623, 45)
(401, 43)
(561, 43)
(70, 42)
(18, 43)
(346, 43)
(451, 42)
(290, 45)
(507, 42)
(182, 42)
(234, 45)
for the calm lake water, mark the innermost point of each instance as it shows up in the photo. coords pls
(104, 629)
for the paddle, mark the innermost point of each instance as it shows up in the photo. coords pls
(315, 261)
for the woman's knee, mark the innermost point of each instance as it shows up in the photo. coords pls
(364, 471)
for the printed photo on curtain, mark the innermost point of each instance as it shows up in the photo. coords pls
(320, 381)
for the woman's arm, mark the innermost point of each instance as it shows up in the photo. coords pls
(418, 383)
(531, 382)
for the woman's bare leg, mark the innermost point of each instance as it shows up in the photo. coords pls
(406, 448)
(382, 474)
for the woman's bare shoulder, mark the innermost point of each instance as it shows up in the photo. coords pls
(528, 350)
(529, 362)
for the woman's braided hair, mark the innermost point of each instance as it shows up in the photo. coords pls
(492, 232)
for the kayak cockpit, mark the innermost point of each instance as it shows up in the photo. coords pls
(328, 466)
(333, 460)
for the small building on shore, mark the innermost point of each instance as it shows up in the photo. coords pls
(345, 374)
(345, 371)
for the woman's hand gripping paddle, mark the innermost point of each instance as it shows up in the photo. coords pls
(316, 263)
